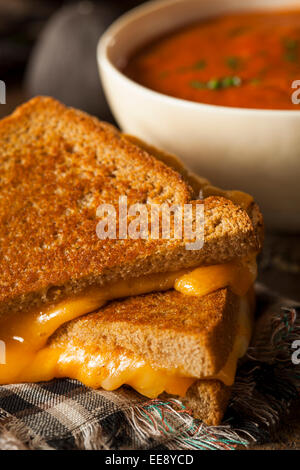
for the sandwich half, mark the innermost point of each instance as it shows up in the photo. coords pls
(57, 165)
(183, 345)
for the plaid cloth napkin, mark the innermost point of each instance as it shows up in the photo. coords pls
(64, 414)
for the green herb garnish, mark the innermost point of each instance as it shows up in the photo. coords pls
(214, 84)
(255, 81)
(290, 56)
(291, 44)
(230, 81)
(291, 47)
(217, 83)
(197, 84)
(233, 62)
(199, 65)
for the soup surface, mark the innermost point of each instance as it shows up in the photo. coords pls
(244, 60)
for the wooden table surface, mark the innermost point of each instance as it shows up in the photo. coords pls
(279, 270)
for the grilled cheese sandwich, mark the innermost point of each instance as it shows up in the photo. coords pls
(56, 274)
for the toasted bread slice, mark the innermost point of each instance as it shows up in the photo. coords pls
(57, 166)
(169, 330)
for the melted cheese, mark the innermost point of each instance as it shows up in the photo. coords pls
(26, 334)
(241, 343)
(110, 369)
(238, 275)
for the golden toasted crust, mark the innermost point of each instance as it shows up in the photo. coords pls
(56, 166)
(170, 330)
(208, 399)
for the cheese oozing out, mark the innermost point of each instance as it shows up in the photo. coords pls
(30, 359)
(96, 366)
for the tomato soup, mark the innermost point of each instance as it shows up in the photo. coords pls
(245, 60)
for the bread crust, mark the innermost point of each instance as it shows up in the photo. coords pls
(208, 400)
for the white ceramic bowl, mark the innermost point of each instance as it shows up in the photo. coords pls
(250, 149)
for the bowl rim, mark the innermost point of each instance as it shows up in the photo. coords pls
(105, 62)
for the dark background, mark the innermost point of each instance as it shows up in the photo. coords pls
(49, 47)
